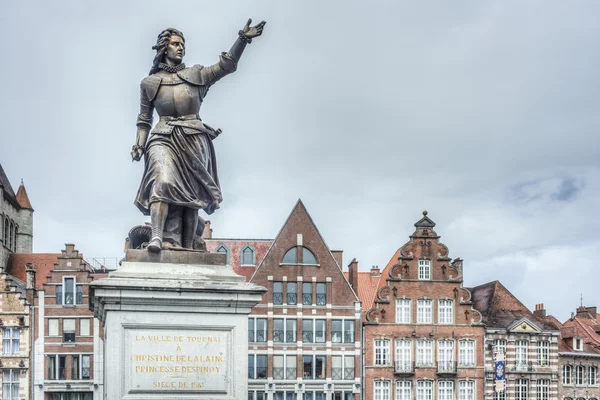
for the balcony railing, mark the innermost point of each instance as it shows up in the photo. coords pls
(278, 373)
(349, 337)
(259, 336)
(320, 337)
(278, 336)
(348, 373)
(58, 298)
(307, 336)
(336, 373)
(85, 373)
(277, 298)
(336, 336)
(307, 299)
(290, 373)
(292, 299)
(523, 366)
(290, 336)
(321, 299)
(424, 364)
(250, 372)
(446, 367)
(404, 367)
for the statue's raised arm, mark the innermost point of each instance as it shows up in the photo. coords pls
(180, 171)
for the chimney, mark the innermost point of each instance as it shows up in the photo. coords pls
(353, 274)
(582, 312)
(592, 311)
(540, 311)
(30, 285)
(375, 271)
(207, 232)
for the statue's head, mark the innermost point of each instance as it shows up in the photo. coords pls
(170, 45)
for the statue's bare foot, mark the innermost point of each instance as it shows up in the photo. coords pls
(155, 245)
(167, 246)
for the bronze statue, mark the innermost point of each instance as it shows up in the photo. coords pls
(180, 173)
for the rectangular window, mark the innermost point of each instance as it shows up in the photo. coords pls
(500, 346)
(499, 396)
(52, 367)
(278, 330)
(62, 368)
(257, 330)
(424, 270)
(59, 294)
(424, 390)
(75, 367)
(543, 353)
(292, 293)
(313, 367)
(68, 330)
(290, 330)
(567, 374)
(445, 390)
(579, 372)
(403, 311)
(10, 384)
(424, 353)
(382, 352)
(11, 343)
(521, 389)
(403, 390)
(348, 331)
(84, 327)
(521, 351)
(543, 389)
(290, 367)
(307, 293)
(382, 390)
(577, 344)
(277, 293)
(321, 294)
(307, 330)
(348, 367)
(593, 376)
(336, 331)
(445, 311)
(53, 327)
(466, 353)
(403, 355)
(257, 366)
(337, 369)
(466, 390)
(85, 367)
(320, 331)
(79, 294)
(446, 356)
(424, 311)
(251, 336)
(69, 290)
(278, 368)
(320, 367)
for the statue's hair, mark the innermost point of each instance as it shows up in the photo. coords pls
(161, 46)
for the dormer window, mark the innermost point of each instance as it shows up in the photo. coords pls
(577, 344)
(424, 270)
(222, 249)
(248, 256)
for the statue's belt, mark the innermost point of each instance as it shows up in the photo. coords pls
(190, 123)
(181, 118)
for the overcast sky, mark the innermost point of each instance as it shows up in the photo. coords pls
(483, 113)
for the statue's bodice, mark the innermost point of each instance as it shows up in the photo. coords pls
(176, 98)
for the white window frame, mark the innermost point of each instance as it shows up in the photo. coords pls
(543, 353)
(53, 331)
(425, 353)
(466, 352)
(577, 344)
(403, 354)
(567, 372)
(445, 351)
(12, 383)
(466, 390)
(252, 255)
(85, 322)
(381, 389)
(382, 351)
(403, 390)
(344, 364)
(64, 291)
(11, 335)
(543, 389)
(521, 389)
(579, 375)
(445, 390)
(592, 375)
(403, 311)
(424, 270)
(424, 311)
(445, 311)
(499, 345)
(424, 389)
(521, 355)
(252, 326)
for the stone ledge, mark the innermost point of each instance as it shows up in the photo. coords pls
(176, 257)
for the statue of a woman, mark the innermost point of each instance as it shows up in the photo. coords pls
(180, 173)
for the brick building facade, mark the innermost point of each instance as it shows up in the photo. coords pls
(304, 336)
(528, 341)
(579, 356)
(422, 337)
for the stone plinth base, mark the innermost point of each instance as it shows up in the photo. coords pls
(175, 326)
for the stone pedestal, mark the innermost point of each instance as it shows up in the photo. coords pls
(175, 326)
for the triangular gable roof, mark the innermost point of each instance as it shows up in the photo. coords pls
(523, 325)
(298, 211)
(23, 198)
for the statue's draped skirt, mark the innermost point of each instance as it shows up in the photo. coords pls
(180, 170)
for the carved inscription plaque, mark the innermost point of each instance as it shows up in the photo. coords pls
(177, 360)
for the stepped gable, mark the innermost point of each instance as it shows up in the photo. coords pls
(500, 308)
(43, 263)
(23, 198)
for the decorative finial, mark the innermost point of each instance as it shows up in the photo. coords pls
(424, 212)
(21, 181)
(581, 300)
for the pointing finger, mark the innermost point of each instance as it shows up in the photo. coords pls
(249, 22)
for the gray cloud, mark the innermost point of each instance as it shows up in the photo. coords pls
(484, 114)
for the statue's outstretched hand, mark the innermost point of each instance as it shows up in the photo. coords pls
(136, 153)
(253, 31)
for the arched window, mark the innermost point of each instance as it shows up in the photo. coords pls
(248, 255)
(16, 238)
(11, 235)
(567, 375)
(5, 232)
(291, 257)
(222, 249)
